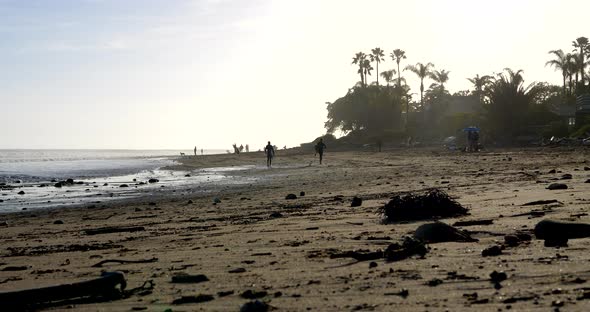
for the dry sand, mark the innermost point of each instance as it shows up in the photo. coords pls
(282, 246)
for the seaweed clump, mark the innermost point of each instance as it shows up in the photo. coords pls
(431, 204)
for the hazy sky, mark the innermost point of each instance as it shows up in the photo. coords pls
(178, 73)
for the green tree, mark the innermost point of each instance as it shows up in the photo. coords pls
(479, 85)
(359, 59)
(582, 45)
(397, 55)
(560, 62)
(422, 71)
(367, 70)
(377, 56)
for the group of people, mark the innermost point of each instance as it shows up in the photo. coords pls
(270, 150)
(240, 149)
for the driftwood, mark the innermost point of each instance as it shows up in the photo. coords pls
(102, 287)
(114, 229)
(474, 222)
(100, 264)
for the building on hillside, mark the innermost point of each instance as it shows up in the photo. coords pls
(582, 113)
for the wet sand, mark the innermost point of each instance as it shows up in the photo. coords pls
(255, 239)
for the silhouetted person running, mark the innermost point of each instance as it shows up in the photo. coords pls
(270, 153)
(319, 148)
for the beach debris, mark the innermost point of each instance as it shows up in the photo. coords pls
(153, 180)
(291, 196)
(104, 287)
(114, 229)
(15, 268)
(557, 186)
(474, 222)
(255, 306)
(438, 232)
(409, 247)
(120, 261)
(513, 240)
(557, 233)
(356, 202)
(184, 278)
(359, 255)
(253, 294)
(492, 251)
(193, 299)
(542, 202)
(237, 270)
(404, 293)
(431, 204)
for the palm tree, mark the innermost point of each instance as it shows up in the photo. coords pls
(422, 71)
(479, 83)
(367, 69)
(582, 45)
(440, 77)
(560, 63)
(510, 102)
(388, 75)
(571, 69)
(397, 55)
(359, 59)
(377, 56)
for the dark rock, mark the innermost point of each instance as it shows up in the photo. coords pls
(438, 232)
(255, 306)
(559, 230)
(555, 243)
(193, 299)
(187, 175)
(492, 251)
(557, 186)
(152, 180)
(253, 294)
(356, 202)
(301, 193)
(372, 264)
(189, 202)
(58, 184)
(58, 222)
(225, 293)
(21, 193)
(291, 196)
(497, 277)
(587, 181)
(106, 184)
(552, 171)
(434, 282)
(474, 222)
(123, 185)
(566, 176)
(134, 180)
(69, 181)
(18, 182)
(15, 268)
(216, 200)
(276, 215)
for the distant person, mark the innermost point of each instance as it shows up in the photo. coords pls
(195, 151)
(319, 149)
(247, 148)
(201, 152)
(241, 148)
(475, 141)
(236, 149)
(270, 153)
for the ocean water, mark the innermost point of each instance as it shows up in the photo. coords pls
(43, 165)
(101, 176)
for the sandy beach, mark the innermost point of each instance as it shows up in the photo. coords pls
(252, 243)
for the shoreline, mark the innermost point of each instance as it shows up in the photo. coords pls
(255, 239)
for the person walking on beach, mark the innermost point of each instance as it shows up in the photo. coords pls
(195, 151)
(319, 149)
(270, 153)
